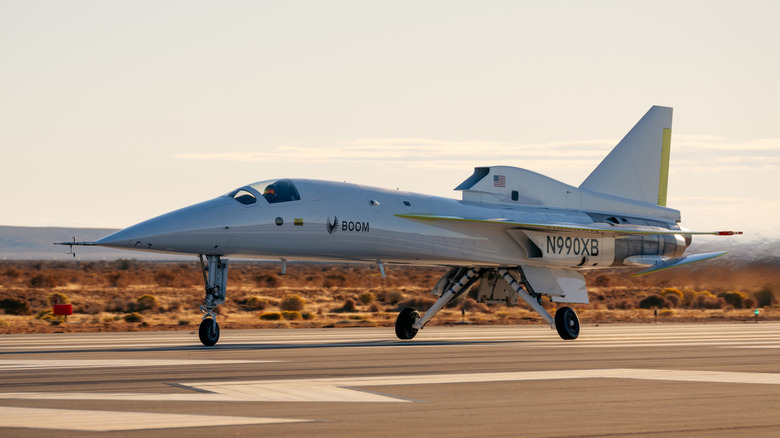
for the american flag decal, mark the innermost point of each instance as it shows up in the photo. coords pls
(499, 181)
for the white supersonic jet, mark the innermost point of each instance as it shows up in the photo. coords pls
(521, 234)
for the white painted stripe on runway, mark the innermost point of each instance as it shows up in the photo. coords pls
(342, 389)
(33, 364)
(108, 421)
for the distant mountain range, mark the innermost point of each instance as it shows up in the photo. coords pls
(33, 243)
(30, 243)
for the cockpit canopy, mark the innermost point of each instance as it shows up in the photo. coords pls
(274, 191)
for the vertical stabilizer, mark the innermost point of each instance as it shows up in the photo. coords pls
(638, 167)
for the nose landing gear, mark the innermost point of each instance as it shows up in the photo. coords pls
(215, 272)
(404, 324)
(208, 331)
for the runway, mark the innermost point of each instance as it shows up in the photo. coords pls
(615, 380)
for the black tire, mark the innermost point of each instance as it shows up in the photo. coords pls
(567, 323)
(403, 325)
(208, 332)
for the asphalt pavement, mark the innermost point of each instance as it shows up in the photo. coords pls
(615, 380)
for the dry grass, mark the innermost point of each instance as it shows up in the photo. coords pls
(167, 295)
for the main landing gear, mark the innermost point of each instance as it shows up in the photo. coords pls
(215, 272)
(457, 281)
(566, 323)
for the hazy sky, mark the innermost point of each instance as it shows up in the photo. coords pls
(112, 112)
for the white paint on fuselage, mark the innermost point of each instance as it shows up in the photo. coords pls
(366, 231)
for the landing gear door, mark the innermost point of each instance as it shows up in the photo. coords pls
(444, 282)
(494, 289)
(562, 285)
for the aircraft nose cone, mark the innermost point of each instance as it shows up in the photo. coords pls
(194, 229)
(119, 239)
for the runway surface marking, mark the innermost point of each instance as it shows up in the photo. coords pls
(106, 421)
(11, 365)
(343, 389)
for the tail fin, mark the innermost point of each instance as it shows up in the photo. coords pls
(638, 167)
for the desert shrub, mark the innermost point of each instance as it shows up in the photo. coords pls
(133, 317)
(256, 303)
(348, 307)
(706, 300)
(125, 264)
(122, 305)
(366, 298)
(624, 304)
(764, 298)
(165, 279)
(748, 303)
(268, 280)
(113, 278)
(374, 308)
(15, 306)
(271, 316)
(674, 300)
(291, 315)
(13, 272)
(184, 322)
(733, 298)
(688, 296)
(42, 281)
(672, 291)
(88, 308)
(471, 305)
(334, 280)
(392, 297)
(292, 302)
(601, 281)
(59, 298)
(419, 303)
(653, 302)
(147, 302)
(307, 315)
(174, 306)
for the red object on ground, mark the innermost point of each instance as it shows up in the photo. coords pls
(63, 309)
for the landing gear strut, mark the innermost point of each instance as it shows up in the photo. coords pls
(215, 272)
(409, 320)
(457, 281)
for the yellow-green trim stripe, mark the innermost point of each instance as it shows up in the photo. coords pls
(663, 184)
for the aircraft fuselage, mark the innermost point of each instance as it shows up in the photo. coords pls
(343, 221)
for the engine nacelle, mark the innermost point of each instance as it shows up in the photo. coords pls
(657, 245)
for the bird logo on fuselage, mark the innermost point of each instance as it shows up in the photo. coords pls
(332, 226)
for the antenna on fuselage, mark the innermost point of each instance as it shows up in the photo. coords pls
(74, 243)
